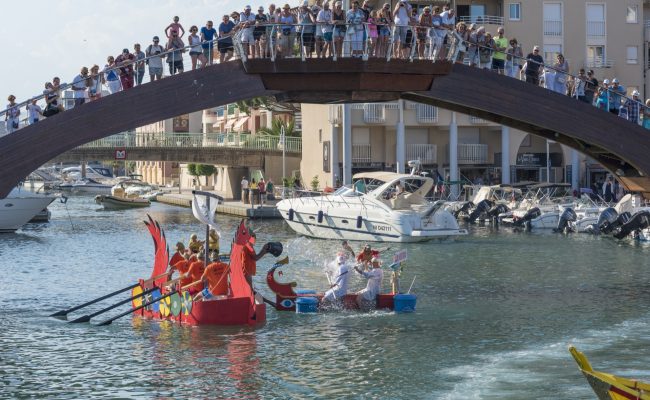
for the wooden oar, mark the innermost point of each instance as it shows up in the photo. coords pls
(109, 321)
(86, 318)
(63, 313)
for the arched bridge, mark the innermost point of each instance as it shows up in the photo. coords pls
(620, 146)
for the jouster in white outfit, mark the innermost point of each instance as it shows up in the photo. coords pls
(340, 282)
(375, 277)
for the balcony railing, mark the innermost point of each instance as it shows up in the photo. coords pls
(481, 19)
(596, 29)
(426, 114)
(375, 113)
(477, 120)
(197, 140)
(426, 153)
(472, 153)
(552, 28)
(336, 114)
(361, 153)
(598, 62)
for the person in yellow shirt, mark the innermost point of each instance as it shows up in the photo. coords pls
(195, 245)
(213, 244)
(499, 56)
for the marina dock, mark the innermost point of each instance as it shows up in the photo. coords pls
(233, 207)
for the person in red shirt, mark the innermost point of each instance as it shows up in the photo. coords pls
(215, 277)
(366, 255)
(125, 62)
(251, 257)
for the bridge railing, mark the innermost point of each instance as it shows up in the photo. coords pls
(130, 140)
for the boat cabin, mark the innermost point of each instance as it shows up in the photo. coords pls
(403, 192)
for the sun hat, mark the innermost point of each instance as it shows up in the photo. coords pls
(615, 80)
(606, 82)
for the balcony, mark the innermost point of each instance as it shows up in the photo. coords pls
(598, 62)
(596, 30)
(361, 153)
(552, 28)
(426, 114)
(471, 153)
(426, 153)
(481, 19)
(375, 113)
(336, 114)
(476, 120)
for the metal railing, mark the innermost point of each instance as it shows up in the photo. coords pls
(552, 28)
(426, 153)
(426, 114)
(374, 113)
(197, 140)
(472, 153)
(596, 29)
(599, 62)
(361, 153)
(481, 19)
(476, 120)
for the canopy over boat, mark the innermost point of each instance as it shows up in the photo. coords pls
(608, 386)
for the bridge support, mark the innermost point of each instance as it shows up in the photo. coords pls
(453, 156)
(575, 170)
(347, 144)
(400, 139)
(505, 154)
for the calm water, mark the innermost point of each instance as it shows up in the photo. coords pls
(496, 311)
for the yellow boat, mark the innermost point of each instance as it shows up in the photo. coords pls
(608, 386)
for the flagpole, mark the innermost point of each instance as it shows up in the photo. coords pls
(207, 234)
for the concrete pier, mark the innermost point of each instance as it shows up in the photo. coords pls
(236, 208)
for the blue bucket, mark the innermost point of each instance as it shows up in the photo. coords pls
(404, 303)
(306, 305)
(300, 292)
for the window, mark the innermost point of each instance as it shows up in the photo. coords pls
(595, 20)
(515, 11)
(553, 19)
(632, 55)
(632, 12)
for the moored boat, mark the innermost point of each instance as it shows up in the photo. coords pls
(19, 207)
(609, 386)
(118, 199)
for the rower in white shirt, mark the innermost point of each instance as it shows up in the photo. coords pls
(339, 283)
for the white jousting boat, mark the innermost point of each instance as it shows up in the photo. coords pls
(387, 213)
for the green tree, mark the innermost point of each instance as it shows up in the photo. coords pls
(314, 183)
(205, 170)
(276, 128)
(192, 170)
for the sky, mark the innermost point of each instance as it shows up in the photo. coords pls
(45, 39)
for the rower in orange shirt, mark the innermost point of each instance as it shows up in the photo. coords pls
(216, 277)
(194, 274)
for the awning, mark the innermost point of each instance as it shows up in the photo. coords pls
(240, 123)
(229, 124)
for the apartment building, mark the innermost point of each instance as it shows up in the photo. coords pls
(607, 36)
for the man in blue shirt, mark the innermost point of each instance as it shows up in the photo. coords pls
(225, 45)
(616, 91)
(207, 36)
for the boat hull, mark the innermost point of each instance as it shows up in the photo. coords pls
(229, 311)
(16, 212)
(118, 203)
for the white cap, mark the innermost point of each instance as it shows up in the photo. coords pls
(606, 82)
(635, 93)
(375, 259)
(615, 80)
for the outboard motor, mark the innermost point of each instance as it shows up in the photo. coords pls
(605, 220)
(463, 209)
(609, 227)
(495, 211)
(563, 224)
(530, 215)
(637, 222)
(481, 208)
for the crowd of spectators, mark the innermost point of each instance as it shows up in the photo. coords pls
(326, 30)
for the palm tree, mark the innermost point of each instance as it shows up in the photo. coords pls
(276, 128)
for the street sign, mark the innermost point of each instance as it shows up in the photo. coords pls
(400, 256)
(120, 154)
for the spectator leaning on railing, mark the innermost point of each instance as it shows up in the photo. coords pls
(79, 85)
(533, 67)
(12, 115)
(155, 56)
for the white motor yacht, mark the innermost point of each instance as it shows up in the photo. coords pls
(394, 211)
(19, 207)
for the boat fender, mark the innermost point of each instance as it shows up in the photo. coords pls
(320, 216)
(359, 222)
(291, 214)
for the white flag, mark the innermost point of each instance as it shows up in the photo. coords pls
(201, 210)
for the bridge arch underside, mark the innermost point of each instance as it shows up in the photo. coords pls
(620, 146)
